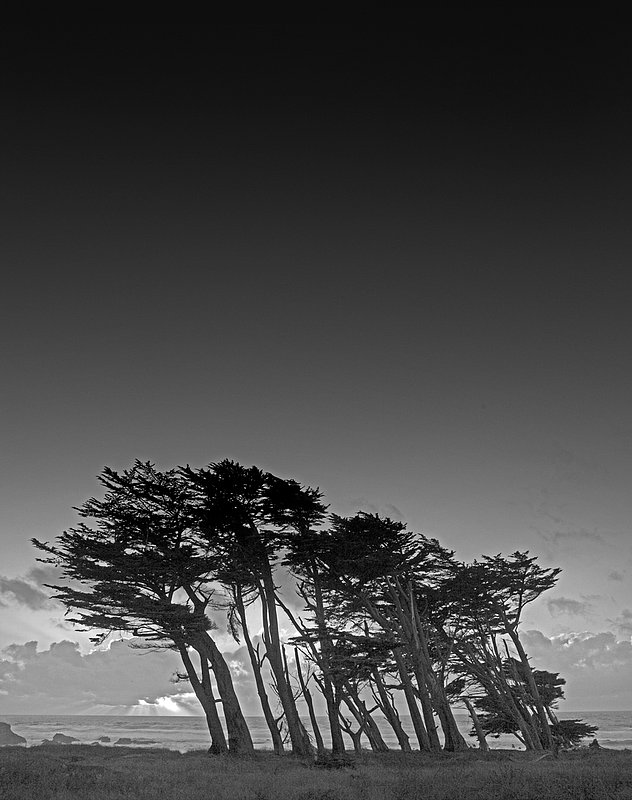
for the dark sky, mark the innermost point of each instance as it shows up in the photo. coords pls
(390, 262)
(361, 257)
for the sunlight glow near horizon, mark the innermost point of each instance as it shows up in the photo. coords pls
(161, 707)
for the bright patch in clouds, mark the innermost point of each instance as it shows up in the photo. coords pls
(237, 669)
(169, 705)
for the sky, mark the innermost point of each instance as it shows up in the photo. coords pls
(392, 264)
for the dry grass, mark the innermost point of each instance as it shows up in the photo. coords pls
(102, 773)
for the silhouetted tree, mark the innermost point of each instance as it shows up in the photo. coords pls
(137, 569)
(482, 603)
(238, 623)
(495, 718)
(381, 569)
(570, 732)
(247, 516)
(320, 632)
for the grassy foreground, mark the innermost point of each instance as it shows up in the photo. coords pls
(104, 773)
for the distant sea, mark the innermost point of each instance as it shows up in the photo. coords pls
(190, 733)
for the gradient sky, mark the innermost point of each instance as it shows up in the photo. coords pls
(394, 265)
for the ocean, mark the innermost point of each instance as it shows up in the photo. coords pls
(186, 733)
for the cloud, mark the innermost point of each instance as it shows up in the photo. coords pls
(615, 575)
(30, 590)
(21, 653)
(623, 622)
(237, 668)
(168, 705)
(383, 509)
(577, 535)
(23, 592)
(61, 679)
(117, 679)
(560, 538)
(596, 666)
(42, 575)
(393, 512)
(565, 605)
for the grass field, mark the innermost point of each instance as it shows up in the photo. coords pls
(109, 773)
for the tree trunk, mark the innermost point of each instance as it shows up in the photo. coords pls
(480, 733)
(332, 700)
(204, 693)
(363, 715)
(405, 609)
(362, 725)
(301, 744)
(490, 676)
(390, 712)
(320, 746)
(239, 739)
(277, 741)
(355, 736)
(453, 738)
(411, 701)
(528, 730)
(426, 706)
(545, 730)
(329, 687)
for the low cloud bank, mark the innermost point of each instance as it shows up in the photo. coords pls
(597, 667)
(118, 679)
(62, 680)
(123, 680)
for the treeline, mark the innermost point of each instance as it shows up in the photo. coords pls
(391, 619)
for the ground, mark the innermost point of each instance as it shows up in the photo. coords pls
(107, 773)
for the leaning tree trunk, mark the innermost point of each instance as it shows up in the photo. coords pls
(331, 693)
(277, 741)
(411, 701)
(481, 665)
(239, 739)
(299, 737)
(330, 687)
(362, 714)
(355, 736)
(453, 738)
(426, 704)
(320, 745)
(204, 693)
(390, 712)
(480, 733)
(545, 730)
(405, 610)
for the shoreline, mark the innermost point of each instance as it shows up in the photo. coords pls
(187, 733)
